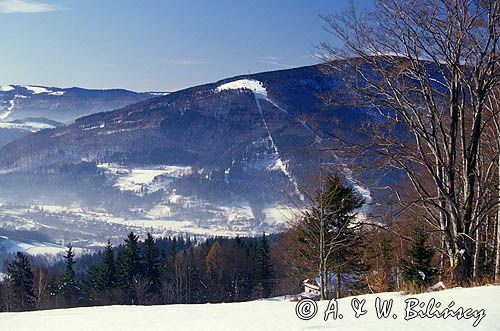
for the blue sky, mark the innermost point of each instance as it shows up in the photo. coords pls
(160, 45)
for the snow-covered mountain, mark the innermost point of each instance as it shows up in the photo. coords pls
(278, 315)
(28, 108)
(231, 157)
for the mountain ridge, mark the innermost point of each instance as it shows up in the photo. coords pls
(229, 157)
(22, 105)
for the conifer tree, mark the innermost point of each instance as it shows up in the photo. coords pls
(69, 273)
(326, 238)
(20, 279)
(91, 285)
(152, 263)
(174, 249)
(69, 287)
(131, 261)
(108, 271)
(130, 266)
(264, 267)
(418, 268)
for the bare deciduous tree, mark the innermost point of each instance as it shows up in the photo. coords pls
(493, 106)
(427, 66)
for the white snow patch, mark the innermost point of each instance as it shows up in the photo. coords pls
(159, 93)
(99, 126)
(279, 165)
(6, 88)
(27, 126)
(36, 89)
(160, 211)
(137, 179)
(31, 247)
(245, 84)
(253, 85)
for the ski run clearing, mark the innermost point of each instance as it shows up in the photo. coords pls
(267, 315)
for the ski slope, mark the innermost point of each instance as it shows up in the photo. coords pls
(263, 315)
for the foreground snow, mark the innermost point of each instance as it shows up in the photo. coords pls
(272, 315)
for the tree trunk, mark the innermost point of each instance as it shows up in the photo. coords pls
(322, 265)
(337, 294)
(441, 259)
(477, 247)
(497, 257)
(463, 263)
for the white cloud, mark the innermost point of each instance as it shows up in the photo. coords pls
(25, 6)
(270, 58)
(274, 61)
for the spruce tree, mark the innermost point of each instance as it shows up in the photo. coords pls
(130, 265)
(418, 268)
(91, 285)
(131, 262)
(174, 249)
(326, 239)
(69, 287)
(263, 262)
(152, 264)
(108, 272)
(20, 279)
(69, 273)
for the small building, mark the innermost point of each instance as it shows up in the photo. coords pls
(311, 289)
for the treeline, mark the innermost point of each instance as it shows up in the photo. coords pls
(152, 271)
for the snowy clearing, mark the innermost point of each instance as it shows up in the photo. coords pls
(6, 88)
(36, 89)
(137, 179)
(32, 247)
(264, 315)
(41, 89)
(247, 84)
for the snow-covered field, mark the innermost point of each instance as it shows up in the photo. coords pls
(32, 247)
(176, 215)
(265, 315)
(35, 247)
(136, 179)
